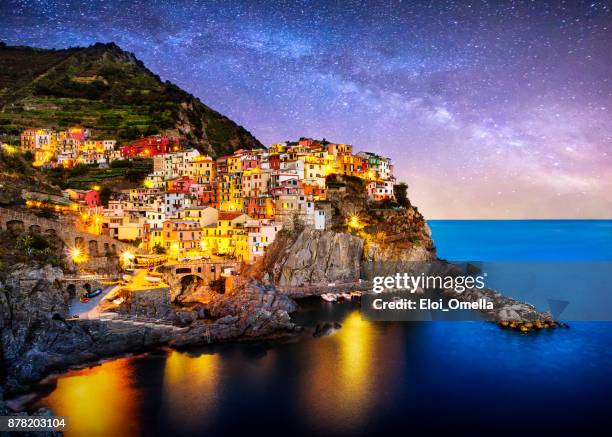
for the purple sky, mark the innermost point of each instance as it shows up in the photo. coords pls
(488, 109)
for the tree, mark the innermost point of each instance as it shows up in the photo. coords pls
(105, 194)
(32, 243)
(159, 249)
(28, 156)
(401, 193)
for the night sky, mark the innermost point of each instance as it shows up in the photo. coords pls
(488, 109)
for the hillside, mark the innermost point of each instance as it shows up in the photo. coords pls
(17, 174)
(110, 91)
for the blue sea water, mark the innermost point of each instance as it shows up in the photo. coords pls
(523, 240)
(549, 263)
(429, 378)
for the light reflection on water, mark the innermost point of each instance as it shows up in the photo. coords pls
(366, 377)
(98, 401)
(342, 370)
(190, 387)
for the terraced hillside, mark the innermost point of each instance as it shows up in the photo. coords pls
(109, 90)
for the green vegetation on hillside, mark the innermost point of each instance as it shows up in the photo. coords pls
(19, 246)
(103, 88)
(17, 174)
(85, 176)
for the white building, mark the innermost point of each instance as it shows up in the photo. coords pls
(261, 233)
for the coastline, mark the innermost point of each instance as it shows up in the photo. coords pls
(239, 324)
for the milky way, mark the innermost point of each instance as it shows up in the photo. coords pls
(488, 109)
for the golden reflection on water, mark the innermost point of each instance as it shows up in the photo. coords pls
(341, 381)
(345, 375)
(191, 387)
(100, 401)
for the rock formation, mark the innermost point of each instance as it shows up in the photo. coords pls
(315, 258)
(386, 234)
(38, 338)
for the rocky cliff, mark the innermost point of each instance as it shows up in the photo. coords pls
(37, 338)
(314, 257)
(360, 232)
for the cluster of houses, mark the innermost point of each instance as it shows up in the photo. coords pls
(234, 206)
(194, 205)
(51, 148)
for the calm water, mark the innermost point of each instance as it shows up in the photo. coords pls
(459, 377)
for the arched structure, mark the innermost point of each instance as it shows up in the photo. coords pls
(205, 270)
(63, 228)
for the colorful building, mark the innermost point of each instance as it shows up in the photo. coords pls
(151, 146)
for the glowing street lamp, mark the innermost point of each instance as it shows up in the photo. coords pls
(127, 257)
(174, 250)
(77, 255)
(354, 222)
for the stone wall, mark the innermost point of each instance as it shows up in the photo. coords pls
(96, 245)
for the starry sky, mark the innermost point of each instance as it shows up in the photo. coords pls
(488, 109)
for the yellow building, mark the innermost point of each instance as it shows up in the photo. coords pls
(350, 165)
(315, 171)
(339, 149)
(226, 238)
(234, 164)
(41, 142)
(204, 215)
(201, 169)
(242, 246)
(277, 148)
(230, 192)
(181, 236)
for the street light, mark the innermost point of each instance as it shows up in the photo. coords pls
(354, 222)
(127, 256)
(77, 255)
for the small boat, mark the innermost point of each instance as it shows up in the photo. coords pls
(152, 279)
(86, 296)
(331, 284)
(94, 293)
(127, 278)
(329, 297)
(346, 296)
(118, 301)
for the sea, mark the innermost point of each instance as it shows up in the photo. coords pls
(373, 378)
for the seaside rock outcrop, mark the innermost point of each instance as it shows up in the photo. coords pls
(254, 310)
(504, 308)
(387, 233)
(326, 328)
(315, 257)
(36, 339)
